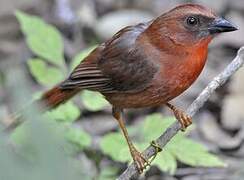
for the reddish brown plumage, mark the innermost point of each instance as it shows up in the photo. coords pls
(146, 65)
(56, 96)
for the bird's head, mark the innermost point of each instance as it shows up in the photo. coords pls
(190, 25)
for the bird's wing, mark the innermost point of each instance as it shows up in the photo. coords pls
(119, 66)
(87, 75)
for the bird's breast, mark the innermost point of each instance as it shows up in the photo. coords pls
(176, 74)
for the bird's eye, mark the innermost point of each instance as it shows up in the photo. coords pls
(192, 21)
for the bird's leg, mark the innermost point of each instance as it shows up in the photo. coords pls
(181, 116)
(140, 161)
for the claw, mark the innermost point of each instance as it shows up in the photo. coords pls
(140, 161)
(181, 116)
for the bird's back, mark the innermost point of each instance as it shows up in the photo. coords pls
(116, 66)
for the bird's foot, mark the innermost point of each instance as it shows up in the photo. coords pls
(140, 161)
(183, 118)
(157, 150)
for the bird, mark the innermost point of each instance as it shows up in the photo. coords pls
(146, 65)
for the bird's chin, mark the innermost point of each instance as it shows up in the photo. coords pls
(204, 34)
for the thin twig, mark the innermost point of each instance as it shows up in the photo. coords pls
(131, 172)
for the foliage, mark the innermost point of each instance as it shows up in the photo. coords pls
(179, 148)
(81, 56)
(68, 112)
(38, 152)
(93, 101)
(108, 173)
(48, 69)
(79, 138)
(43, 39)
(44, 74)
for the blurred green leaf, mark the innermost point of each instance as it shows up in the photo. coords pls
(27, 21)
(79, 137)
(67, 112)
(44, 75)
(179, 148)
(193, 153)
(43, 39)
(115, 146)
(154, 125)
(166, 161)
(93, 101)
(81, 56)
(108, 173)
(38, 152)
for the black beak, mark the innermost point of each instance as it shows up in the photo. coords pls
(220, 25)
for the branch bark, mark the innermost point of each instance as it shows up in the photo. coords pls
(131, 172)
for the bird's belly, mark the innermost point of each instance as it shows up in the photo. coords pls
(154, 95)
(157, 93)
(146, 98)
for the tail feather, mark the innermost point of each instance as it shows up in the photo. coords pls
(56, 96)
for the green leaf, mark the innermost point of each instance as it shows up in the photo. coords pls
(93, 101)
(67, 112)
(43, 39)
(166, 161)
(41, 153)
(44, 75)
(27, 21)
(157, 123)
(108, 173)
(115, 146)
(179, 148)
(194, 154)
(79, 137)
(81, 56)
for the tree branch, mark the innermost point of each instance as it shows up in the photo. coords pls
(131, 172)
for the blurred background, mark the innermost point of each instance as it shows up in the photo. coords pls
(81, 140)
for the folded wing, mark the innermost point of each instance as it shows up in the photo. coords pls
(117, 66)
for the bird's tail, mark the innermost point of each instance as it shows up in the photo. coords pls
(56, 96)
(49, 100)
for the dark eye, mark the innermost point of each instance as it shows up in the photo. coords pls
(192, 21)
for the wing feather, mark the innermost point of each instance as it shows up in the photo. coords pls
(115, 66)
